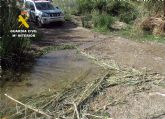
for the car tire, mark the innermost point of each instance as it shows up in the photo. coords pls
(61, 23)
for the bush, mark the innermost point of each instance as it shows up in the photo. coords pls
(100, 5)
(12, 49)
(128, 17)
(154, 25)
(86, 21)
(85, 6)
(126, 11)
(154, 6)
(102, 21)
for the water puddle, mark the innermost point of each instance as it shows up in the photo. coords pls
(55, 71)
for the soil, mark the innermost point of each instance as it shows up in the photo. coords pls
(145, 100)
(125, 52)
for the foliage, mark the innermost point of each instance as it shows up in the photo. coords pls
(154, 6)
(86, 21)
(100, 5)
(85, 6)
(12, 49)
(102, 21)
(135, 34)
(126, 11)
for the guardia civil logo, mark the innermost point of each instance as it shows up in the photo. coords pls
(22, 19)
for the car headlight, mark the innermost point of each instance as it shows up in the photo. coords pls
(45, 15)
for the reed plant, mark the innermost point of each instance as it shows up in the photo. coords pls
(12, 48)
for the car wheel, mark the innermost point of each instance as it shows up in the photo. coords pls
(61, 23)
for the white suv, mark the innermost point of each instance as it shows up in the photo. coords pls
(43, 12)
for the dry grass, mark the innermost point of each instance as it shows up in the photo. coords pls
(155, 25)
(74, 102)
(70, 103)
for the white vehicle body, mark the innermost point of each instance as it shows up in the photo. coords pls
(43, 12)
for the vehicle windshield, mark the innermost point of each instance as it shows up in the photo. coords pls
(44, 6)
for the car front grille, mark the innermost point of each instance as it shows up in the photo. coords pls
(54, 14)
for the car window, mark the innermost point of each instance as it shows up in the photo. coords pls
(31, 5)
(44, 6)
(27, 5)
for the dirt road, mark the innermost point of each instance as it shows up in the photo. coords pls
(131, 95)
(124, 52)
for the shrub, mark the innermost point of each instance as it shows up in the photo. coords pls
(67, 17)
(102, 21)
(85, 6)
(154, 25)
(12, 49)
(126, 11)
(86, 21)
(100, 5)
(154, 6)
(128, 17)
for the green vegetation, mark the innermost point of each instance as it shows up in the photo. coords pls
(102, 14)
(124, 11)
(154, 6)
(102, 21)
(12, 49)
(99, 21)
(134, 35)
(105, 12)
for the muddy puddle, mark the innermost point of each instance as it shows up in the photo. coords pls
(53, 72)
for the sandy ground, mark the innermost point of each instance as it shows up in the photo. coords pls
(145, 100)
(126, 53)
